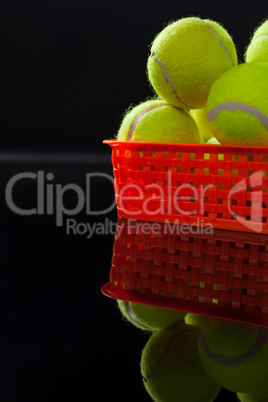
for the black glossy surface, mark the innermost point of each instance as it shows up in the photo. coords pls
(69, 70)
(61, 339)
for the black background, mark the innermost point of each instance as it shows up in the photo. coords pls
(69, 71)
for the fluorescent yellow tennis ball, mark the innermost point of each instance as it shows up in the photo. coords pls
(149, 318)
(258, 48)
(213, 141)
(171, 368)
(186, 58)
(234, 355)
(157, 121)
(201, 118)
(238, 105)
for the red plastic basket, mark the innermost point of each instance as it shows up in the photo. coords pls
(198, 184)
(219, 269)
(219, 273)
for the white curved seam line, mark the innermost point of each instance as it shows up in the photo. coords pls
(236, 105)
(222, 45)
(231, 361)
(161, 360)
(139, 116)
(167, 77)
(261, 36)
(131, 314)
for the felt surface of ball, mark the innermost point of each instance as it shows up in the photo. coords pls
(213, 141)
(255, 396)
(171, 368)
(238, 105)
(257, 50)
(233, 354)
(156, 121)
(186, 58)
(149, 318)
(193, 319)
(201, 118)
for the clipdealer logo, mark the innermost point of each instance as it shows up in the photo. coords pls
(51, 199)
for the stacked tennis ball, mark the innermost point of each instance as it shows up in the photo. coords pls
(181, 78)
(186, 58)
(202, 95)
(237, 107)
(235, 355)
(170, 364)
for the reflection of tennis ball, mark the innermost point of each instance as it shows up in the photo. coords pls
(147, 317)
(193, 319)
(238, 105)
(258, 48)
(254, 396)
(171, 368)
(234, 355)
(186, 58)
(156, 121)
(201, 118)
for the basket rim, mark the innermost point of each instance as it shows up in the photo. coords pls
(178, 147)
(215, 311)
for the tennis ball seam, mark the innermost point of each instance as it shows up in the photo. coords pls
(261, 36)
(162, 359)
(236, 105)
(222, 45)
(167, 77)
(132, 316)
(231, 361)
(139, 117)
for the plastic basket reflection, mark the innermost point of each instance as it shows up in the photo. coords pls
(213, 272)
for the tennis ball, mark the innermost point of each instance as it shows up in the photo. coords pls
(255, 396)
(201, 118)
(156, 121)
(233, 354)
(150, 318)
(171, 368)
(193, 319)
(186, 58)
(238, 106)
(257, 49)
(213, 141)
